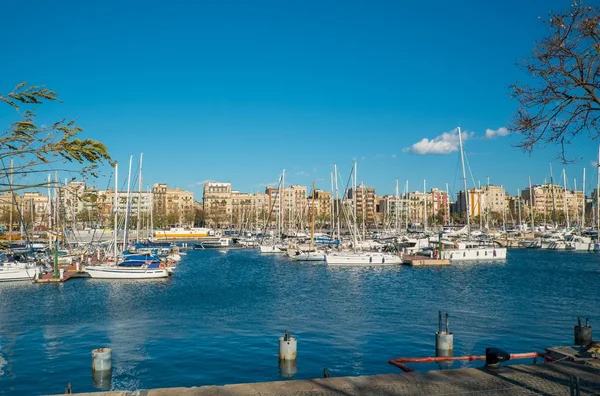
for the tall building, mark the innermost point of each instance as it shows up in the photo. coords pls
(172, 206)
(366, 204)
(217, 201)
(35, 209)
(550, 200)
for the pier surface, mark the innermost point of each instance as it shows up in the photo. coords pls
(70, 272)
(539, 379)
(422, 261)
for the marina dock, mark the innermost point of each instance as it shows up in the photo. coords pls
(422, 261)
(537, 379)
(70, 273)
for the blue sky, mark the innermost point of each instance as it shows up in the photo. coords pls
(238, 90)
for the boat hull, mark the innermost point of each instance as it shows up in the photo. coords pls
(18, 274)
(367, 259)
(474, 254)
(126, 273)
(270, 249)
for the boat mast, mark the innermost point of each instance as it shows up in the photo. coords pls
(447, 205)
(354, 200)
(424, 205)
(312, 217)
(406, 203)
(12, 200)
(49, 212)
(396, 208)
(598, 198)
(553, 197)
(282, 197)
(332, 214)
(583, 202)
(519, 206)
(337, 203)
(531, 205)
(126, 227)
(116, 209)
(139, 202)
(462, 160)
(566, 208)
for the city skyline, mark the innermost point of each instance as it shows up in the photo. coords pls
(218, 96)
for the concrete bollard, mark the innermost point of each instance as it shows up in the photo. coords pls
(444, 340)
(287, 347)
(101, 359)
(102, 368)
(62, 273)
(287, 368)
(583, 334)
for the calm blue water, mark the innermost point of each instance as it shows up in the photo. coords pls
(218, 319)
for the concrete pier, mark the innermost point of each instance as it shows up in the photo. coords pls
(547, 379)
(422, 261)
(70, 272)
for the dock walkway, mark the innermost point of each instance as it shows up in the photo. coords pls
(539, 379)
(422, 261)
(70, 273)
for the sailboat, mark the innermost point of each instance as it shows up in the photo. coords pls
(311, 254)
(152, 270)
(470, 250)
(356, 257)
(274, 247)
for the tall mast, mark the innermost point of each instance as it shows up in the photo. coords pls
(531, 205)
(312, 216)
(337, 202)
(503, 209)
(424, 205)
(331, 208)
(126, 227)
(12, 200)
(397, 207)
(363, 209)
(447, 205)
(462, 161)
(519, 207)
(566, 208)
(354, 192)
(406, 203)
(282, 195)
(553, 197)
(583, 203)
(598, 198)
(479, 211)
(139, 202)
(116, 209)
(49, 212)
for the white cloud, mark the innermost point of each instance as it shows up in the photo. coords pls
(492, 134)
(394, 155)
(200, 183)
(301, 173)
(446, 143)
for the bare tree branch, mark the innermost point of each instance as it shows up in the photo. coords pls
(564, 100)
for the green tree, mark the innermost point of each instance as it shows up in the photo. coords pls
(40, 148)
(563, 99)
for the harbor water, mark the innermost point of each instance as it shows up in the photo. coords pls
(218, 319)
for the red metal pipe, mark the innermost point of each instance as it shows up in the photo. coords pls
(469, 358)
(401, 366)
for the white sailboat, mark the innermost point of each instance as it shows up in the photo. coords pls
(113, 271)
(468, 250)
(18, 272)
(360, 258)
